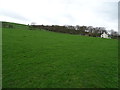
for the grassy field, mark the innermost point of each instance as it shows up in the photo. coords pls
(43, 59)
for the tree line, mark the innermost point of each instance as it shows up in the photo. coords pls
(77, 30)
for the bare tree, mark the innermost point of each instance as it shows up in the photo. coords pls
(32, 26)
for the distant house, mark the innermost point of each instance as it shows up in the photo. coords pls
(104, 35)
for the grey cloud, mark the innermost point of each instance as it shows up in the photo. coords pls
(13, 15)
(108, 10)
(70, 17)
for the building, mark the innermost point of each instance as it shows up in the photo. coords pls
(104, 35)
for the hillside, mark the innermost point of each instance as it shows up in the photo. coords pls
(44, 59)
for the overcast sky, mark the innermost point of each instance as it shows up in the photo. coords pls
(97, 13)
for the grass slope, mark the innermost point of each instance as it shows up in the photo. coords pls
(42, 59)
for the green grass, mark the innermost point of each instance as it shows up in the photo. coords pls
(42, 59)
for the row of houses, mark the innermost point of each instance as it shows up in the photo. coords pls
(103, 35)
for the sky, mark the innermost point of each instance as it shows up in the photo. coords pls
(96, 13)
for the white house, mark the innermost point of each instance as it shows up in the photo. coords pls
(104, 35)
